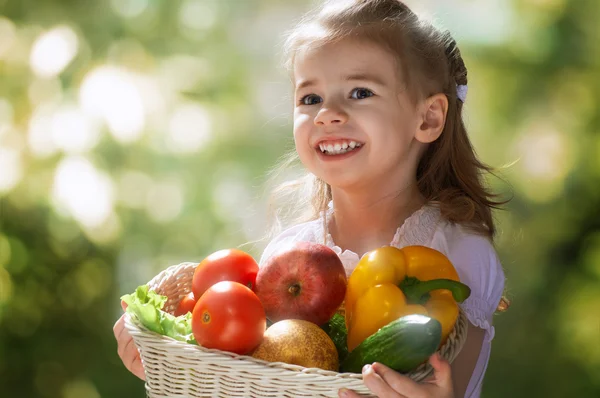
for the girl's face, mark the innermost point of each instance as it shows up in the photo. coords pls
(354, 123)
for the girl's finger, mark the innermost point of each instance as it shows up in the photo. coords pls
(122, 345)
(130, 356)
(123, 333)
(129, 351)
(119, 326)
(123, 305)
(124, 342)
(377, 385)
(136, 366)
(399, 383)
(345, 393)
(441, 371)
(124, 339)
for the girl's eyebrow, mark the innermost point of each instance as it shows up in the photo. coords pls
(364, 77)
(305, 83)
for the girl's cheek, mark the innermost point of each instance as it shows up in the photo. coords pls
(302, 123)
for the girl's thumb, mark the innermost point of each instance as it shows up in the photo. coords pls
(441, 371)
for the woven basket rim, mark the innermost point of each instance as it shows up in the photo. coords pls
(133, 325)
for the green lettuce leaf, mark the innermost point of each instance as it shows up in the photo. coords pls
(146, 305)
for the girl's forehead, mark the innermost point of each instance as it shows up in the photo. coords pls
(344, 57)
(353, 49)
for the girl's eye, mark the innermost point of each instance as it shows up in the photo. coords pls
(310, 99)
(361, 93)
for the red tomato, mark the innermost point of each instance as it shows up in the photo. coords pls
(225, 265)
(186, 304)
(229, 317)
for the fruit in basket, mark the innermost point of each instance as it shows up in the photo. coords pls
(302, 281)
(186, 304)
(402, 345)
(224, 265)
(229, 317)
(411, 280)
(298, 342)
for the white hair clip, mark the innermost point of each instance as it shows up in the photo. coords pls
(461, 92)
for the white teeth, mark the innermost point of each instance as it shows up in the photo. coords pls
(338, 149)
(329, 150)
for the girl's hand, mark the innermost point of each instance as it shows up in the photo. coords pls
(127, 350)
(386, 383)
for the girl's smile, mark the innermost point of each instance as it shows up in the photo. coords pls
(333, 148)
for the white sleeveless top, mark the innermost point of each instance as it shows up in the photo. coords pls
(473, 256)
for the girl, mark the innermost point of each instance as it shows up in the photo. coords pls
(378, 125)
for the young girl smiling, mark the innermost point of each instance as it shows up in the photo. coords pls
(378, 125)
(379, 96)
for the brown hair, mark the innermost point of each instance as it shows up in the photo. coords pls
(449, 173)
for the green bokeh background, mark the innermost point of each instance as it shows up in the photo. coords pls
(136, 134)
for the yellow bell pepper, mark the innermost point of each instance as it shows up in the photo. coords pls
(389, 283)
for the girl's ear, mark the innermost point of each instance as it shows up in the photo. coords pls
(433, 111)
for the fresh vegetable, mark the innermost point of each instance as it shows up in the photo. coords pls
(224, 265)
(336, 330)
(229, 317)
(402, 345)
(186, 304)
(146, 305)
(389, 283)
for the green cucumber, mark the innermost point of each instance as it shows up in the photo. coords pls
(402, 345)
(336, 330)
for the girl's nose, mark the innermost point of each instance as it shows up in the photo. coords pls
(330, 115)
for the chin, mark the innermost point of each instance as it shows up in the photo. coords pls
(337, 177)
(342, 182)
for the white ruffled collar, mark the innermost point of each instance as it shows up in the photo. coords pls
(417, 229)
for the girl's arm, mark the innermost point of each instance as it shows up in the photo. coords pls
(464, 364)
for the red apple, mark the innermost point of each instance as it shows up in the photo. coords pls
(304, 281)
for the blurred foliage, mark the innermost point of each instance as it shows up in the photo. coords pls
(135, 134)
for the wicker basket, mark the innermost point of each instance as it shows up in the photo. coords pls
(178, 369)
